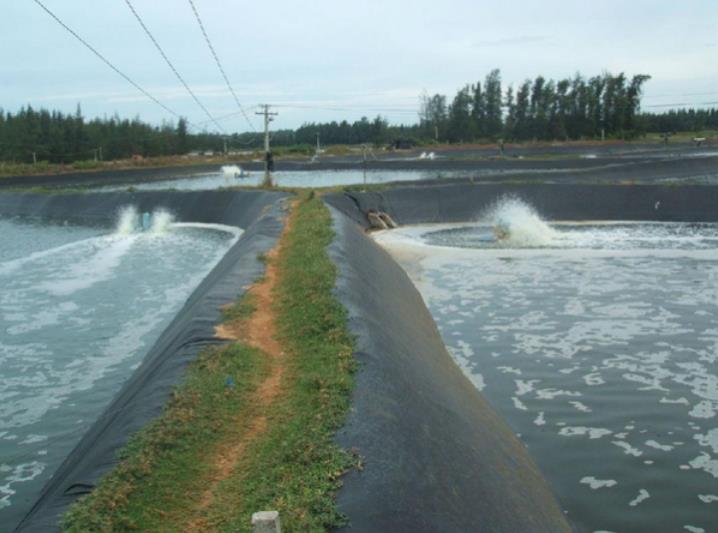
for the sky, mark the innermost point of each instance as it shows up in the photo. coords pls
(321, 60)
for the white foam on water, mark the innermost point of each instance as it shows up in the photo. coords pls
(709, 439)
(627, 448)
(13, 265)
(540, 420)
(105, 256)
(706, 463)
(596, 484)
(18, 474)
(658, 446)
(582, 431)
(232, 230)
(643, 495)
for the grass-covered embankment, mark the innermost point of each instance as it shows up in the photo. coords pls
(225, 448)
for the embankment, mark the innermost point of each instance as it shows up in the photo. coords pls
(145, 393)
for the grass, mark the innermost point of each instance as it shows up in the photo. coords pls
(293, 466)
(166, 455)
(241, 309)
(296, 467)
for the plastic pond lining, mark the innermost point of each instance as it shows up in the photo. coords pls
(143, 396)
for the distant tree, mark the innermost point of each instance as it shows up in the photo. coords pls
(539, 110)
(434, 116)
(522, 127)
(595, 107)
(493, 103)
(182, 142)
(478, 111)
(510, 122)
(633, 101)
(460, 126)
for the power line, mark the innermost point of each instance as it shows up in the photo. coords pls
(678, 95)
(109, 64)
(682, 104)
(219, 65)
(172, 67)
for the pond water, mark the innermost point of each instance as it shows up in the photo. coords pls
(598, 343)
(79, 309)
(294, 178)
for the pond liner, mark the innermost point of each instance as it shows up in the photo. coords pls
(462, 201)
(142, 398)
(435, 455)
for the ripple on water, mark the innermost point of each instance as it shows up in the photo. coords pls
(79, 309)
(601, 356)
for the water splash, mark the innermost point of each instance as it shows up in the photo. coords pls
(516, 223)
(234, 171)
(127, 220)
(162, 220)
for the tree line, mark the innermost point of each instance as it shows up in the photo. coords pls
(42, 135)
(541, 109)
(695, 120)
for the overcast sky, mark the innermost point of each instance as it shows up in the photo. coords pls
(334, 60)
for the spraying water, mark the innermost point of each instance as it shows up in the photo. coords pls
(127, 220)
(234, 171)
(162, 220)
(517, 224)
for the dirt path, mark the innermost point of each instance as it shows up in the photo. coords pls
(258, 331)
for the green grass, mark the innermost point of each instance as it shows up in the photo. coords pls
(294, 465)
(296, 468)
(241, 309)
(167, 455)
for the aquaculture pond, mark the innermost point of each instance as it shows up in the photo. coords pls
(598, 343)
(79, 308)
(229, 176)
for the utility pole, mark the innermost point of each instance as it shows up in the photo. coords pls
(34, 158)
(317, 143)
(268, 160)
(225, 145)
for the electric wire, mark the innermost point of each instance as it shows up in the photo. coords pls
(172, 67)
(683, 104)
(109, 64)
(219, 65)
